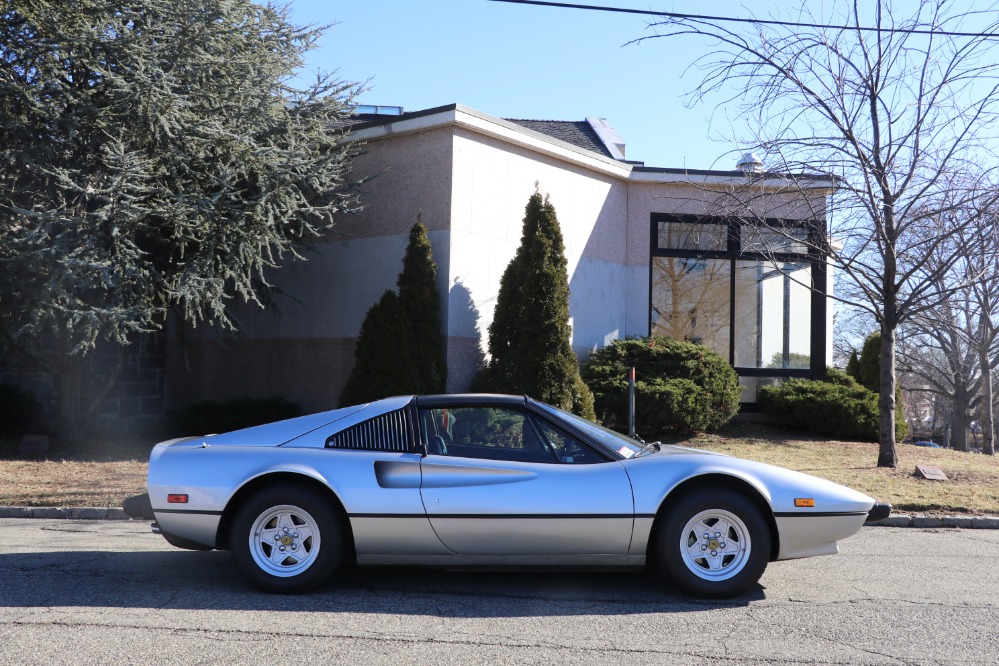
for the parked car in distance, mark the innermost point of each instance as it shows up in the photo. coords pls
(485, 481)
(928, 444)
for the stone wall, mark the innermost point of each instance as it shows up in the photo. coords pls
(133, 406)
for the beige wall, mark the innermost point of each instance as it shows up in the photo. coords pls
(471, 189)
(408, 174)
(302, 346)
(493, 181)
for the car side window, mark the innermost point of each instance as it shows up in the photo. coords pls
(567, 448)
(491, 433)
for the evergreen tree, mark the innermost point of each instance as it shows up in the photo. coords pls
(383, 356)
(399, 350)
(529, 337)
(869, 365)
(155, 157)
(868, 375)
(853, 365)
(419, 296)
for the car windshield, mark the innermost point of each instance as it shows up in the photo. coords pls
(622, 445)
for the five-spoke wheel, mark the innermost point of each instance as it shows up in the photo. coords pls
(713, 543)
(286, 539)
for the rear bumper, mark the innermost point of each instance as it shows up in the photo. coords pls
(880, 511)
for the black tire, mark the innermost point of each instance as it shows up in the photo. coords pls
(703, 564)
(314, 540)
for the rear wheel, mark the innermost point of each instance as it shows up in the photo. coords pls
(286, 539)
(713, 543)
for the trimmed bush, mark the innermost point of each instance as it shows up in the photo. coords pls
(843, 410)
(838, 407)
(866, 369)
(399, 349)
(419, 298)
(529, 337)
(17, 407)
(208, 417)
(680, 388)
(837, 376)
(383, 357)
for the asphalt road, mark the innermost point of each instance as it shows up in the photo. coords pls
(75, 592)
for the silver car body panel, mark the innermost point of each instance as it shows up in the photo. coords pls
(492, 507)
(839, 511)
(405, 507)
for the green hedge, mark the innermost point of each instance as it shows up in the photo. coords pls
(208, 417)
(838, 407)
(680, 388)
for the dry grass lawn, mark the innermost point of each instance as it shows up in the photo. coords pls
(78, 475)
(102, 474)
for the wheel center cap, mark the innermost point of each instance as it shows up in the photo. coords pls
(287, 540)
(713, 544)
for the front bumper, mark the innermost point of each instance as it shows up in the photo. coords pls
(139, 506)
(879, 511)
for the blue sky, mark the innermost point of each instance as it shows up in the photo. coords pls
(517, 61)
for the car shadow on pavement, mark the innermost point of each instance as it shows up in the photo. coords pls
(206, 581)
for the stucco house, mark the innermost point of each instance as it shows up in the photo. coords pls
(649, 249)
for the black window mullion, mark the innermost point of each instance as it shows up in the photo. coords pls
(731, 312)
(813, 258)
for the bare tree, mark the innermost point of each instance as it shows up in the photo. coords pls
(936, 357)
(897, 108)
(983, 336)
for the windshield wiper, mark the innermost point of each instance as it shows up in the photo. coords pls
(651, 447)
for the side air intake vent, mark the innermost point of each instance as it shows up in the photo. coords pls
(388, 432)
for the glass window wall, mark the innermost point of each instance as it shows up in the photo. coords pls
(718, 283)
(691, 301)
(773, 303)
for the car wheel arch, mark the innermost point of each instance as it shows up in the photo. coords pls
(731, 482)
(276, 478)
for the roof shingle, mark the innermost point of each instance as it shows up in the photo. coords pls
(577, 132)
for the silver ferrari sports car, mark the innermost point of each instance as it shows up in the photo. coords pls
(486, 481)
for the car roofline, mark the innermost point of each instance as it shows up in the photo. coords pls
(447, 400)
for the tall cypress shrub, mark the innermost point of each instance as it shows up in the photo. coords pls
(399, 350)
(418, 295)
(868, 368)
(529, 337)
(867, 371)
(383, 357)
(853, 364)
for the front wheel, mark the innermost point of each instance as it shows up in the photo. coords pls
(713, 543)
(286, 539)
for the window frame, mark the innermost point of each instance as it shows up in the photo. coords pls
(530, 416)
(815, 258)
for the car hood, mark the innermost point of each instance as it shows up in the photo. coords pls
(778, 484)
(279, 432)
(674, 450)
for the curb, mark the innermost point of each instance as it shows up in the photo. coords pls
(96, 513)
(63, 513)
(964, 522)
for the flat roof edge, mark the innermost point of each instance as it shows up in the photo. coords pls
(452, 114)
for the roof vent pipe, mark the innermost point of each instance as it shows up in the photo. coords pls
(749, 163)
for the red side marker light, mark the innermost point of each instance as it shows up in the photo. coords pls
(176, 499)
